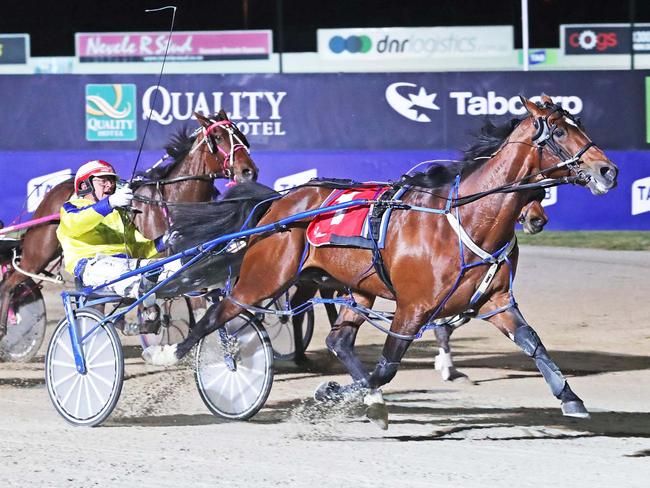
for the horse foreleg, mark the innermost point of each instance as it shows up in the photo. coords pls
(407, 323)
(513, 324)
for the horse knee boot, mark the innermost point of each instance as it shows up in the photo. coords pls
(528, 340)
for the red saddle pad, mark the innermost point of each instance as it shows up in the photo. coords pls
(342, 226)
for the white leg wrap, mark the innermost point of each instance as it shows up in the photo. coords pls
(443, 360)
(374, 397)
(160, 355)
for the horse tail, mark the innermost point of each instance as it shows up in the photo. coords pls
(241, 208)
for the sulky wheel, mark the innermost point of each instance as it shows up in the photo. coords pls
(26, 321)
(234, 368)
(85, 399)
(176, 319)
(281, 329)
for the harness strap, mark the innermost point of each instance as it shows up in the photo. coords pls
(492, 271)
(467, 240)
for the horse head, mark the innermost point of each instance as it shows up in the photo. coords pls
(565, 149)
(229, 147)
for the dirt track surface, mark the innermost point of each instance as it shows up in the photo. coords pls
(504, 428)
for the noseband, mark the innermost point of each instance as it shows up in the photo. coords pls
(228, 166)
(544, 138)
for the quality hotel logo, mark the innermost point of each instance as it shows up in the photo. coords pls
(111, 112)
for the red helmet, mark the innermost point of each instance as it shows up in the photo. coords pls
(96, 167)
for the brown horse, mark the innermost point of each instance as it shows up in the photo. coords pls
(533, 218)
(217, 150)
(421, 254)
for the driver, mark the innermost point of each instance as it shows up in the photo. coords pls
(101, 243)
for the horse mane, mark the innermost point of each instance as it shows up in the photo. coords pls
(199, 223)
(489, 138)
(178, 148)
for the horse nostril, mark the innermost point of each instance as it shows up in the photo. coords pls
(608, 173)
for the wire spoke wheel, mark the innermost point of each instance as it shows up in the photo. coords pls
(281, 329)
(234, 368)
(176, 320)
(26, 322)
(85, 399)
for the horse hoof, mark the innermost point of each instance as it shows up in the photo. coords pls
(160, 355)
(377, 413)
(576, 409)
(328, 391)
(452, 374)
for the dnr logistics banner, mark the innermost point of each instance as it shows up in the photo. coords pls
(363, 126)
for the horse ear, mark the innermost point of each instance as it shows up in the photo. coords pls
(204, 121)
(546, 100)
(222, 115)
(530, 106)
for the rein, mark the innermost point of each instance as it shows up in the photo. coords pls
(543, 138)
(178, 179)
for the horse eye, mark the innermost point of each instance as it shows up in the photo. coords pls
(559, 132)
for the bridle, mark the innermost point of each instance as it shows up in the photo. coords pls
(544, 138)
(228, 165)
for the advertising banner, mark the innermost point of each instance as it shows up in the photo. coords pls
(363, 126)
(14, 48)
(184, 46)
(382, 111)
(415, 42)
(604, 38)
(626, 207)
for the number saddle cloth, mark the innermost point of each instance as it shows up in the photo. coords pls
(361, 226)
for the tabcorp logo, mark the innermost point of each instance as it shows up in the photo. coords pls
(39, 186)
(550, 196)
(111, 113)
(351, 44)
(641, 196)
(296, 179)
(412, 103)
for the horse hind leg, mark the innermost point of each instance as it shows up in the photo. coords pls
(405, 323)
(340, 342)
(443, 360)
(256, 283)
(303, 293)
